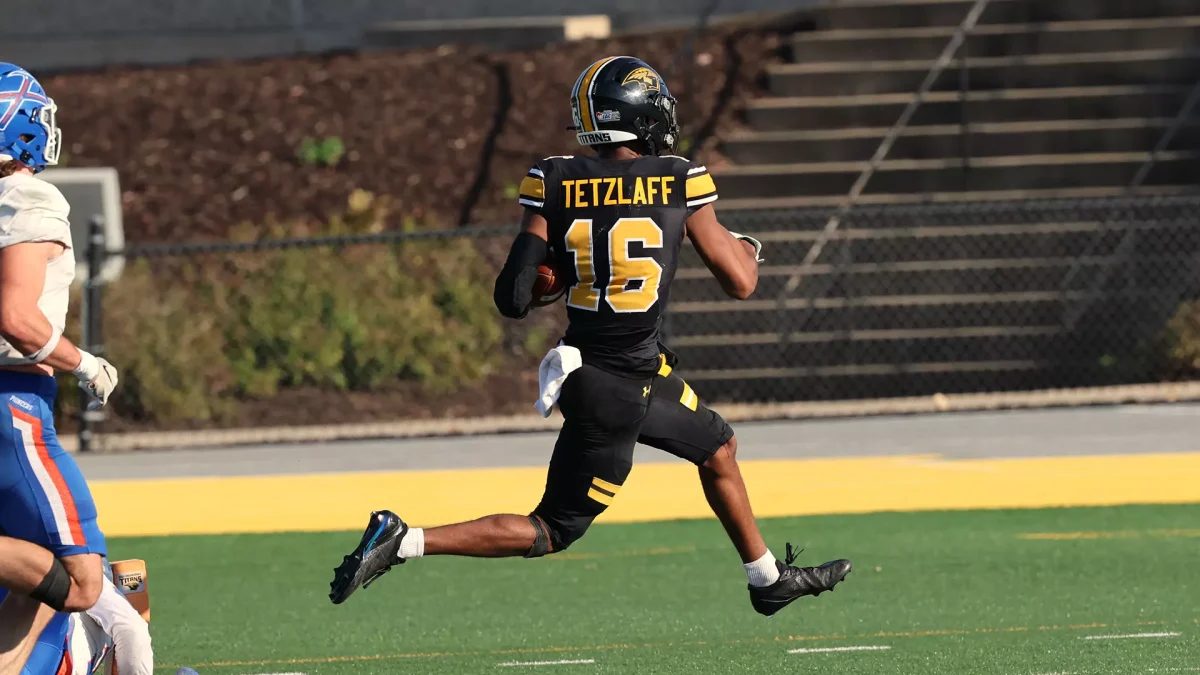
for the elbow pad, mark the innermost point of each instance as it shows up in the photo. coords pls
(514, 286)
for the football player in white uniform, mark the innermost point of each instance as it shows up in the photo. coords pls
(50, 545)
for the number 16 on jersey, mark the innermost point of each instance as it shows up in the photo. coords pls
(633, 280)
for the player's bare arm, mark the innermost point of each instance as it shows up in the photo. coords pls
(71, 584)
(29, 569)
(732, 261)
(22, 278)
(25, 327)
(514, 285)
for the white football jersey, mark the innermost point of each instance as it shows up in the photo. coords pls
(33, 210)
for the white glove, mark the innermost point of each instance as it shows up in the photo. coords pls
(133, 654)
(98, 378)
(753, 242)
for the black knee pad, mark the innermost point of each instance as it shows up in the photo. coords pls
(55, 587)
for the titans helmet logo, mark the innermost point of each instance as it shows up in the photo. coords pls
(649, 79)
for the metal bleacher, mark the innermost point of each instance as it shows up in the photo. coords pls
(1011, 237)
(1062, 98)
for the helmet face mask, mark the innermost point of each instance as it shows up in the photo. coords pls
(47, 117)
(621, 99)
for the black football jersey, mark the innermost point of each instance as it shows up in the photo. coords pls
(615, 228)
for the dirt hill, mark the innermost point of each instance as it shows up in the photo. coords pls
(447, 132)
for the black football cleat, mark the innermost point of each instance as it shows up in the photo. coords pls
(796, 582)
(375, 555)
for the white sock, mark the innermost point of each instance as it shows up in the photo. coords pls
(762, 572)
(413, 544)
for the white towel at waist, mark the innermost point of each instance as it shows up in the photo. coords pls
(555, 368)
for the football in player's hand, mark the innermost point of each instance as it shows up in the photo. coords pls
(548, 287)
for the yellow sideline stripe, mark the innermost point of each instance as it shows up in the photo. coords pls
(665, 491)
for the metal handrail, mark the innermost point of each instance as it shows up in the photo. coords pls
(1072, 314)
(885, 146)
(964, 114)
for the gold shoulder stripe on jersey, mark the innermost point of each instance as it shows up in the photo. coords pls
(533, 188)
(698, 186)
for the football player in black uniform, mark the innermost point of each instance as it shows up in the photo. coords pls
(616, 220)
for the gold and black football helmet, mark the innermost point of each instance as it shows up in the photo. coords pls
(621, 98)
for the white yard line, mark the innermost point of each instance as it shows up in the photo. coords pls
(563, 662)
(1130, 636)
(826, 650)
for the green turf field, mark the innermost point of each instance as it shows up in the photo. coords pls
(955, 593)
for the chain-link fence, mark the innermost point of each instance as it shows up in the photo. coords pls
(903, 300)
(959, 297)
(349, 327)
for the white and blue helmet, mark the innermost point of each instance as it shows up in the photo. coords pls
(28, 131)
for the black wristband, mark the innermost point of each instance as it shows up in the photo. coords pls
(55, 587)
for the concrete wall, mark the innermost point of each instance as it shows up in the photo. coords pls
(57, 34)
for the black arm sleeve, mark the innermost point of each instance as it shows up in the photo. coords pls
(514, 286)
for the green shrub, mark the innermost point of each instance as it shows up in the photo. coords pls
(326, 152)
(165, 341)
(1183, 341)
(193, 337)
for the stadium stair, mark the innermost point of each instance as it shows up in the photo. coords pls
(1065, 99)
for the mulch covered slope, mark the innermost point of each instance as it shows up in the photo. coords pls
(203, 148)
